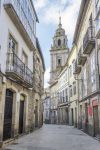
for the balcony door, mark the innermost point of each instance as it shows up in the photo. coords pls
(24, 58)
(13, 47)
(7, 129)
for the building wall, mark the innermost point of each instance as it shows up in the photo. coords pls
(88, 85)
(6, 27)
(63, 97)
(54, 103)
(73, 92)
(47, 107)
(21, 92)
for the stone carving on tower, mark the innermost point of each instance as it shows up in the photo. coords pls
(59, 52)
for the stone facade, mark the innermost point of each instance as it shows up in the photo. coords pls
(86, 41)
(18, 44)
(38, 89)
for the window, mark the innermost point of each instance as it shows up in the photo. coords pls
(24, 58)
(58, 96)
(73, 66)
(74, 88)
(93, 74)
(66, 94)
(47, 114)
(97, 6)
(63, 97)
(70, 90)
(70, 71)
(84, 81)
(46, 102)
(60, 100)
(59, 42)
(12, 45)
(59, 61)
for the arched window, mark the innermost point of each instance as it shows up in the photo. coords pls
(59, 42)
(59, 61)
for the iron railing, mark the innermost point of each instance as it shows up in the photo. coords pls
(15, 65)
(89, 36)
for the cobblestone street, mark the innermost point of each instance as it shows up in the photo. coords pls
(56, 137)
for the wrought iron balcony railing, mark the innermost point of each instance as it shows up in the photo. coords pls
(18, 70)
(89, 40)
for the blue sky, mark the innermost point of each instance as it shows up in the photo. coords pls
(48, 14)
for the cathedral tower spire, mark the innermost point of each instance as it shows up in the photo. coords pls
(60, 25)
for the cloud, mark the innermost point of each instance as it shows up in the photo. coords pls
(69, 11)
(47, 77)
(39, 4)
(48, 11)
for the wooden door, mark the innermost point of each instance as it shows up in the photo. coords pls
(21, 117)
(8, 115)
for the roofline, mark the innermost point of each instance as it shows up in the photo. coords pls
(81, 12)
(40, 52)
(34, 11)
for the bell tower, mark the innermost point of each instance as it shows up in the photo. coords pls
(59, 52)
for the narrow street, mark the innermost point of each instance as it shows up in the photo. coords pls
(56, 137)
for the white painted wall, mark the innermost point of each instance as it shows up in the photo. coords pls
(6, 26)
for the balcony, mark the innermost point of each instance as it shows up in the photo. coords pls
(89, 41)
(77, 68)
(81, 58)
(18, 71)
(15, 11)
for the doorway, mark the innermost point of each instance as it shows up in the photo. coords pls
(75, 117)
(67, 114)
(96, 120)
(86, 119)
(72, 116)
(80, 126)
(7, 128)
(36, 114)
(21, 114)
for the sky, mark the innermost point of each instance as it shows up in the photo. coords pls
(48, 14)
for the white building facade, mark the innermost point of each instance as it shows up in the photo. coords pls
(17, 44)
(63, 97)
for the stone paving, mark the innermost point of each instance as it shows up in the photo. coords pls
(56, 137)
